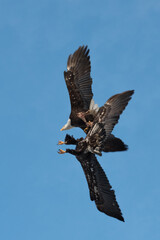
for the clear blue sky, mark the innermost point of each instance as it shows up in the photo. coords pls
(44, 195)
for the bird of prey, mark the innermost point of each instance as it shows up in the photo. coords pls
(79, 83)
(96, 141)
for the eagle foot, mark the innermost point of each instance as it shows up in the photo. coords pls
(61, 151)
(86, 130)
(61, 142)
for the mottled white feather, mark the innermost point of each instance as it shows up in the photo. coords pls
(93, 106)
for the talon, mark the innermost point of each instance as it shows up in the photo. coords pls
(61, 142)
(86, 130)
(61, 151)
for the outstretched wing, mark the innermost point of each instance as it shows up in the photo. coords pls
(99, 187)
(78, 79)
(106, 118)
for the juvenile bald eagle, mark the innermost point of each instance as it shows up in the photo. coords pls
(99, 187)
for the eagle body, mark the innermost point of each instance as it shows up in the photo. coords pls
(112, 144)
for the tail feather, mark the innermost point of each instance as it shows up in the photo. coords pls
(113, 144)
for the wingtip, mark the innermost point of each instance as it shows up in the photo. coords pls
(121, 219)
(131, 92)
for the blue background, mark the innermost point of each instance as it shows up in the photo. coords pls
(44, 195)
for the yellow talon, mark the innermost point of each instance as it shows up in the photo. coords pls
(61, 142)
(61, 151)
(86, 130)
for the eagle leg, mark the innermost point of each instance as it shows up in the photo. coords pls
(61, 151)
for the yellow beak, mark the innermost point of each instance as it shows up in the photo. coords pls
(62, 129)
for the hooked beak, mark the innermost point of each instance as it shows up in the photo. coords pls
(62, 128)
(67, 125)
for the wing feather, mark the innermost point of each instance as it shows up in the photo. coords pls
(116, 105)
(99, 187)
(106, 118)
(80, 82)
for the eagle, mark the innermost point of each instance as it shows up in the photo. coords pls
(79, 83)
(98, 139)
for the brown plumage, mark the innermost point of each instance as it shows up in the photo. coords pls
(112, 144)
(98, 139)
(99, 187)
(99, 136)
(105, 120)
(79, 85)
